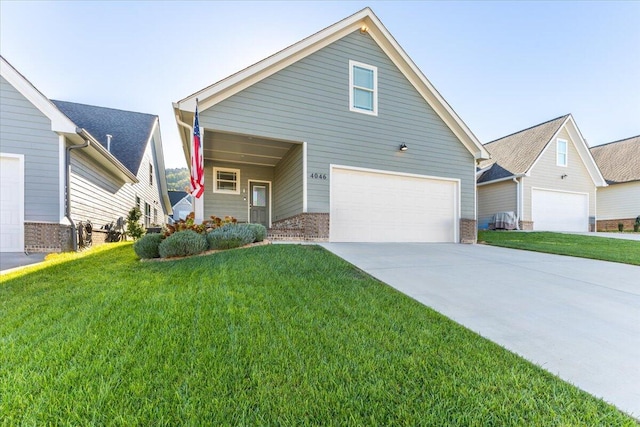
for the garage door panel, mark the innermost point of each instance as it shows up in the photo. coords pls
(11, 201)
(368, 206)
(559, 211)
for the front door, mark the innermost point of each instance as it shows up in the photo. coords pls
(259, 203)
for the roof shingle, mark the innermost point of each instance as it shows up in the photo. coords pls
(130, 131)
(516, 153)
(619, 161)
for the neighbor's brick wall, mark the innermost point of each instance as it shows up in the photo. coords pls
(612, 224)
(306, 226)
(46, 237)
(525, 225)
(468, 230)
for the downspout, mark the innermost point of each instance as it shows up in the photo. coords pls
(67, 184)
(518, 204)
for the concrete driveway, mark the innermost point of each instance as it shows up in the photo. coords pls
(576, 318)
(12, 260)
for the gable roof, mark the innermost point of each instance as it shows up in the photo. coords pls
(61, 123)
(177, 196)
(619, 161)
(130, 131)
(514, 155)
(364, 20)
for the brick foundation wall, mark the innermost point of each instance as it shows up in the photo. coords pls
(612, 224)
(302, 227)
(468, 230)
(525, 225)
(46, 237)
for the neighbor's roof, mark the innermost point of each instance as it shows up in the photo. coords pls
(515, 154)
(364, 20)
(177, 196)
(619, 161)
(130, 131)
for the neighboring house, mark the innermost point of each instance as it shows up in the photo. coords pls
(339, 137)
(181, 204)
(544, 174)
(37, 138)
(619, 163)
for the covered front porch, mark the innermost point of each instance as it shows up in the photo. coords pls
(254, 179)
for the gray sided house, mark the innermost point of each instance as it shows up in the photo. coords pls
(181, 204)
(308, 142)
(544, 174)
(107, 175)
(619, 202)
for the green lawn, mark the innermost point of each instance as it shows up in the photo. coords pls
(594, 247)
(272, 335)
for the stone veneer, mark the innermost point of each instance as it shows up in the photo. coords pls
(302, 227)
(612, 224)
(525, 225)
(46, 237)
(468, 230)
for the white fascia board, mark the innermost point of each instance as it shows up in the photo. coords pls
(59, 122)
(506, 178)
(585, 153)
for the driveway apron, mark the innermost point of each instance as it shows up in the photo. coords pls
(576, 318)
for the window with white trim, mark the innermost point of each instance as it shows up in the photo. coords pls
(561, 152)
(226, 180)
(363, 88)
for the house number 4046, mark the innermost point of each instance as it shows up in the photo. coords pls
(319, 175)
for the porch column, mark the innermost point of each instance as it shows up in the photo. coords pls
(198, 209)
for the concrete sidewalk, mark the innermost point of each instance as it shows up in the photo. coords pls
(576, 318)
(12, 260)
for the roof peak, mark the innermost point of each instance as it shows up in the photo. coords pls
(528, 129)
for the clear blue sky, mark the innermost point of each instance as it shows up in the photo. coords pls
(503, 66)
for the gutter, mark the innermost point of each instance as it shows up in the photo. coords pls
(508, 178)
(67, 185)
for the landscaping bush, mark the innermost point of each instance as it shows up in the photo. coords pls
(135, 230)
(183, 243)
(259, 230)
(147, 246)
(230, 236)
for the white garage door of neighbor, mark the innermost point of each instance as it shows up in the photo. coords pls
(372, 206)
(11, 202)
(559, 211)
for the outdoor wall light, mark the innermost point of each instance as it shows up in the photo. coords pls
(403, 147)
(563, 176)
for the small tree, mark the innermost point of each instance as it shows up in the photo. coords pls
(134, 228)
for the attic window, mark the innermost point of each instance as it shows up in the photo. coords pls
(226, 180)
(363, 88)
(561, 152)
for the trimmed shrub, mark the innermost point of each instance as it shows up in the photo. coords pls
(259, 230)
(183, 243)
(230, 236)
(147, 246)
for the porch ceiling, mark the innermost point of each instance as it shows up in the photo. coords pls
(234, 148)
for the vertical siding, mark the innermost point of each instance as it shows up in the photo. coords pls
(309, 101)
(236, 205)
(287, 185)
(545, 174)
(101, 198)
(619, 201)
(494, 198)
(26, 130)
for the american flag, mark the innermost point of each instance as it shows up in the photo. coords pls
(197, 160)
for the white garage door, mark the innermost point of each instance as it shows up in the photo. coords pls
(377, 206)
(11, 204)
(559, 211)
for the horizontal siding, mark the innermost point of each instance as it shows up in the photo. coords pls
(24, 129)
(619, 201)
(494, 198)
(547, 175)
(287, 185)
(236, 205)
(101, 198)
(309, 101)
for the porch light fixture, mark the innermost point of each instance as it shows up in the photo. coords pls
(563, 176)
(403, 147)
